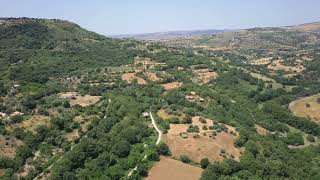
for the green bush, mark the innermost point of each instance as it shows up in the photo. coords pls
(310, 138)
(185, 159)
(204, 163)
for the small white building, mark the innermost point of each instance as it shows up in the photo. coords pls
(145, 114)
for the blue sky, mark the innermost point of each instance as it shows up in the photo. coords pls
(111, 17)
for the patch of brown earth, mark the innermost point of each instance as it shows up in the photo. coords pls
(205, 145)
(205, 75)
(130, 77)
(172, 85)
(170, 169)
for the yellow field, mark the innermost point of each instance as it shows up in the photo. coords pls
(306, 107)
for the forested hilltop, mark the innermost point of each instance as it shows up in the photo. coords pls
(78, 105)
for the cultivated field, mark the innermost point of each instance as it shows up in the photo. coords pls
(170, 169)
(308, 107)
(203, 146)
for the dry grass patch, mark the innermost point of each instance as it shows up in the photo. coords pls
(8, 146)
(262, 131)
(86, 100)
(202, 145)
(76, 99)
(75, 134)
(163, 114)
(130, 77)
(205, 75)
(172, 85)
(277, 65)
(31, 124)
(224, 48)
(308, 107)
(261, 61)
(171, 169)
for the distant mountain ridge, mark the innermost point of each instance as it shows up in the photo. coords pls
(314, 26)
(171, 34)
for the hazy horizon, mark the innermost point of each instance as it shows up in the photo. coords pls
(142, 16)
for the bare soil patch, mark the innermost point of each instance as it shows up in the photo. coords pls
(205, 75)
(172, 85)
(308, 107)
(204, 145)
(130, 77)
(170, 169)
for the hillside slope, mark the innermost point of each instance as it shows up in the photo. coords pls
(34, 50)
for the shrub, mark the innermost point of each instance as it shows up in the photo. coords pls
(196, 136)
(202, 120)
(163, 149)
(204, 163)
(310, 138)
(193, 129)
(153, 156)
(185, 159)
(214, 133)
(174, 121)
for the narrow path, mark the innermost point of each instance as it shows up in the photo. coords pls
(157, 142)
(157, 129)
(72, 146)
